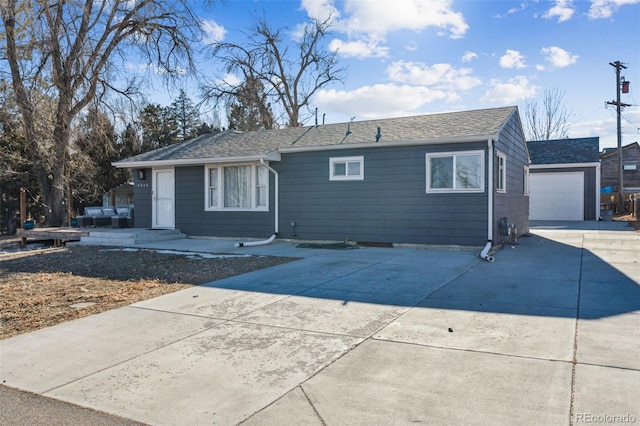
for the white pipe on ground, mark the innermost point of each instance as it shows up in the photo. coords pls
(256, 243)
(485, 252)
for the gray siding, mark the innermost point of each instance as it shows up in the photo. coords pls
(142, 193)
(192, 219)
(512, 204)
(589, 187)
(389, 206)
(609, 167)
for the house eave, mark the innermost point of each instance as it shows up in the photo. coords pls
(436, 141)
(562, 166)
(271, 156)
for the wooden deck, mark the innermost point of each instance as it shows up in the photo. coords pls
(58, 235)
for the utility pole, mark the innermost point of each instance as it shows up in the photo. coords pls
(619, 105)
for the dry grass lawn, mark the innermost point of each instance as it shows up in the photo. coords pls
(46, 287)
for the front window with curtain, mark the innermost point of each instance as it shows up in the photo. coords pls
(455, 171)
(237, 187)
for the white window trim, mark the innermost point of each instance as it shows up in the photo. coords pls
(254, 189)
(502, 173)
(337, 160)
(454, 154)
(527, 182)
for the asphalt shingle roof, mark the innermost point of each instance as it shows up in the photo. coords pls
(610, 152)
(235, 144)
(564, 151)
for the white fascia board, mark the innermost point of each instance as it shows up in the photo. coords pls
(271, 156)
(563, 165)
(464, 139)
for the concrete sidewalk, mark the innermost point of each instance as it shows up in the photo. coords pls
(547, 334)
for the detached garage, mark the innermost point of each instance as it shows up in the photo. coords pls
(556, 196)
(564, 179)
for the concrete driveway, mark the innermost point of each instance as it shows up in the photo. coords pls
(547, 334)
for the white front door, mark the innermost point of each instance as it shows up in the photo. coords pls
(164, 215)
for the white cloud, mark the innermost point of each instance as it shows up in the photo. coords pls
(364, 21)
(512, 59)
(383, 16)
(136, 67)
(380, 100)
(563, 10)
(558, 57)
(523, 5)
(510, 91)
(605, 8)
(520, 8)
(360, 49)
(411, 46)
(320, 9)
(153, 68)
(601, 127)
(229, 80)
(469, 56)
(214, 32)
(439, 76)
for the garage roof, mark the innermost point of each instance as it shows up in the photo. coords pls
(565, 151)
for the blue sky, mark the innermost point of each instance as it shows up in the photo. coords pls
(409, 57)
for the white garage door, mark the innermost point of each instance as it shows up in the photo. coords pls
(556, 196)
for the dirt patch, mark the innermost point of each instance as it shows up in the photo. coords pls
(632, 222)
(46, 287)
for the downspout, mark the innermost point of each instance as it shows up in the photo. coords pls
(484, 254)
(598, 217)
(276, 211)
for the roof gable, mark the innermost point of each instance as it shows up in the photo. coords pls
(565, 151)
(613, 152)
(233, 145)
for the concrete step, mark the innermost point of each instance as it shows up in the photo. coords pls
(132, 236)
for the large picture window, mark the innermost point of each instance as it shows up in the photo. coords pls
(237, 187)
(455, 171)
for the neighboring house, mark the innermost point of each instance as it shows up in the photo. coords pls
(630, 168)
(440, 179)
(565, 179)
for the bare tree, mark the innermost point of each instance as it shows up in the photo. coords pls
(290, 75)
(68, 51)
(551, 120)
